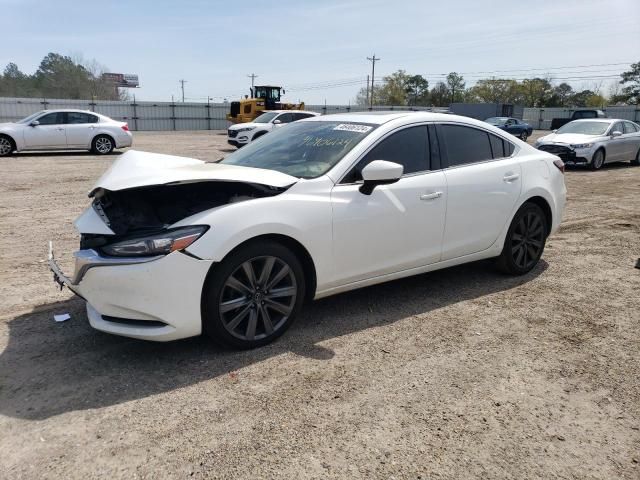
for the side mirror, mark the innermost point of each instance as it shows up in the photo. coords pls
(35, 123)
(379, 172)
(616, 133)
(277, 122)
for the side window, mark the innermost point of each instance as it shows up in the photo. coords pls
(466, 144)
(629, 127)
(617, 127)
(300, 116)
(52, 119)
(285, 118)
(408, 147)
(510, 122)
(497, 146)
(508, 148)
(77, 117)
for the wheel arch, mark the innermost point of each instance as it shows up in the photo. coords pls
(546, 208)
(259, 134)
(103, 134)
(11, 139)
(299, 250)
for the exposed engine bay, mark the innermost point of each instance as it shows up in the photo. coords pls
(153, 208)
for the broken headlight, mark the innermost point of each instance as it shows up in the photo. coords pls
(157, 244)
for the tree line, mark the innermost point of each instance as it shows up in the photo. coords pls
(59, 76)
(402, 88)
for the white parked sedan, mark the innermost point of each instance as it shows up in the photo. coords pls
(594, 142)
(173, 246)
(64, 130)
(242, 133)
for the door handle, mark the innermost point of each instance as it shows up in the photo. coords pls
(510, 177)
(59, 128)
(431, 196)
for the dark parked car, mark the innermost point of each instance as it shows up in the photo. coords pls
(581, 114)
(512, 125)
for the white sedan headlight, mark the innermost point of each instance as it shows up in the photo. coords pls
(245, 129)
(161, 243)
(581, 145)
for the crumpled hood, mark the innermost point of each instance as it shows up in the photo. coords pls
(570, 138)
(140, 169)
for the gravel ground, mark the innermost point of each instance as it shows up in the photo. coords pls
(462, 373)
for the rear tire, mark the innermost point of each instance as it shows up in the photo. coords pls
(253, 296)
(598, 160)
(524, 136)
(102, 145)
(525, 240)
(7, 146)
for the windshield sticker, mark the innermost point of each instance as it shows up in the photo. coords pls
(313, 141)
(352, 127)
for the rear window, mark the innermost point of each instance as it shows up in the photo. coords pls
(466, 144)
(304, 149)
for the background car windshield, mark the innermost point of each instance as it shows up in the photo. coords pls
(496, 120)
(265, 117)
(302, 149)
(585, 128)
(30, 117)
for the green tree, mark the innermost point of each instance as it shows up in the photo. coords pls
(439, 95)
(496, 90)
(417, 90)
(630, 93)
(561, 95)
(455, 85)
(536, 92)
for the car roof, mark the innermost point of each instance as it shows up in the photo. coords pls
(290, 111)
(381, 117)
(603, 120)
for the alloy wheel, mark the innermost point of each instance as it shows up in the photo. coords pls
(527, 240)
(258, 298)
(103, 145)
(598, 160)
(5, 146)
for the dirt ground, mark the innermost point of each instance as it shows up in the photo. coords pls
(462, 373)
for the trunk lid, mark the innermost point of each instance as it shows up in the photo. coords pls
(135, 169)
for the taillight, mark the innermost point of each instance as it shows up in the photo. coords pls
(560, 164)
(125, 127)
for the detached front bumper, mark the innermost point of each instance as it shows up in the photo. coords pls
(151, 298)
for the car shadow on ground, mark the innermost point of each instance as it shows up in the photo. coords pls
(64, 153)
(50, 368)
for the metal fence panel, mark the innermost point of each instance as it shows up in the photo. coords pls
(203, 116)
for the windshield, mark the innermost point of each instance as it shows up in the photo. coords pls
(496, 120)
(302, 149)
(585, 128)
(30, 117)
(265, 117)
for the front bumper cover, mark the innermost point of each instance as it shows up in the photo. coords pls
(151, 298)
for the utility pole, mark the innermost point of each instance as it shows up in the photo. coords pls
(367, 88)
(182, 82)
(373, 61)
(253, 76)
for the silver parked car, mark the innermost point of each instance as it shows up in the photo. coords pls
(594, 142)
(64, 130)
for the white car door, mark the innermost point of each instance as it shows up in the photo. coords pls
(49, 133)
(616, 148)
(483, 182)
(398, 226)
(80, 128)
(632, 140)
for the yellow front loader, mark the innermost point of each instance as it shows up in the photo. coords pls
(262, 98)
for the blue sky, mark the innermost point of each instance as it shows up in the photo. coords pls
(315, 45)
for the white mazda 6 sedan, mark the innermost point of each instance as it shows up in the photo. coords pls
(172, 247)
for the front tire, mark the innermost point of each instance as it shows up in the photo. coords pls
(6, 146)
(525, 240)
(598, 160)
(253, 296)
(102, 145)
(636, 162)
